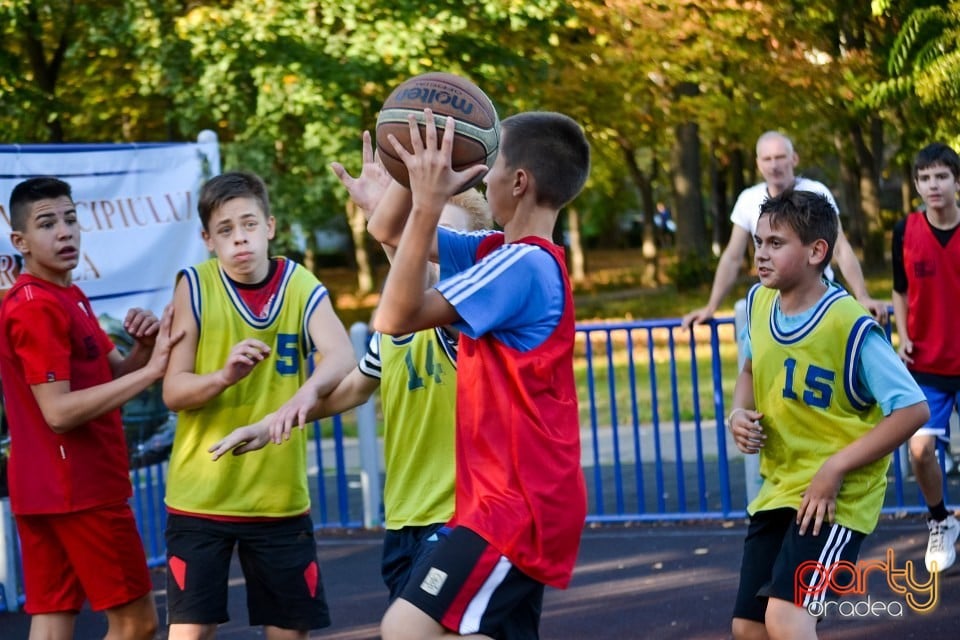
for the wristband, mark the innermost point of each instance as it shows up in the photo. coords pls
(730, 417)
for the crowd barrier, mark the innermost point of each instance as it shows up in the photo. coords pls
(652, 400)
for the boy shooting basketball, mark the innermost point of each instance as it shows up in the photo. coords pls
(520, 495)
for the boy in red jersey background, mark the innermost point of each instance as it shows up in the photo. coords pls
(64, 383)
(926, 283)
(520, 495)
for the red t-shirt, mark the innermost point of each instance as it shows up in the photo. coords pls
(520, 485)
(50, 333)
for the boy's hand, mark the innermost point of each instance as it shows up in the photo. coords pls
(244, 356)
(746, 430)
(164, 341)
(292, 414)
(819, 502)
(906, 350)
(368, 188)
(242, 440)
(432, 177)
(142, 326)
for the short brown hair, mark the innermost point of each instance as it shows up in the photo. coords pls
(227, 186)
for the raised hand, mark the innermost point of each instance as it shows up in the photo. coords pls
(368, 188)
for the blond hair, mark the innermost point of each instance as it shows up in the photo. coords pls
(473, 202)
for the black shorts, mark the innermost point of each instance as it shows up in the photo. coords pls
(404, 551)
(469, 587)
(279, 562)
(780, 563)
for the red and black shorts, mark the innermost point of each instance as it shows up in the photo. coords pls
(279, 562)
(469, 587)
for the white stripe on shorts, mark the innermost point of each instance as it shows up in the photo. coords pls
(837, 541)
(470, 623)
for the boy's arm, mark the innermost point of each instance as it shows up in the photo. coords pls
(900, 311)
(744, 420)
(64, 409)
(183, 388)
(853, 275)
(388, 219)
(404, 305)
(353, 390)
(819, 500)
(333, 347)
(725, 277)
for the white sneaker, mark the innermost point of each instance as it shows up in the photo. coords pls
(940, 546)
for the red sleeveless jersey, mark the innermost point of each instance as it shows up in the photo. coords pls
(933, 284)
(519, 480)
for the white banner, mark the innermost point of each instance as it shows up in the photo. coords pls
(137, 210)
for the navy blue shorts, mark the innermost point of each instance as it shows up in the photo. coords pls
(405, 550)
(279, 562)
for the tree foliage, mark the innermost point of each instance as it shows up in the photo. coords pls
(288, 86)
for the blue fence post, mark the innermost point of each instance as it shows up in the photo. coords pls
(367, 440)
(9, 579)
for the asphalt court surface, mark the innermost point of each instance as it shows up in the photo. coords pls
(656, 581)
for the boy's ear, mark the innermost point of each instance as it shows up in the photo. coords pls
(818, 251)
(18, 241)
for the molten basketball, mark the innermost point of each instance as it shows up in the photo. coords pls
(477, 137)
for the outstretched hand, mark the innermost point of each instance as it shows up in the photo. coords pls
(242, 440)
(292, 414)
(367, 189)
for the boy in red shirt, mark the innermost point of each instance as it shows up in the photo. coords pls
(64, 383)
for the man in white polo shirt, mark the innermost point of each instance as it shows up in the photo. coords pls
(776, 161)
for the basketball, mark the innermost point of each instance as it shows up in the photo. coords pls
(477, 136)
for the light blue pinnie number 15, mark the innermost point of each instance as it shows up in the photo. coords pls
(818, 382)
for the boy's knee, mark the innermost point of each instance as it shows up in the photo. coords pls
(744, 629)
(134, 621)
(922, 450)
(404, 621)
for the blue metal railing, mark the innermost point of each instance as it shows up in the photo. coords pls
(655, 445)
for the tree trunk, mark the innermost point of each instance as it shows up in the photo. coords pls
(691, 227)
(651, 264)
(906, 190)
(358, 231)
(578, 273)
(873, 246)
(718, 201)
